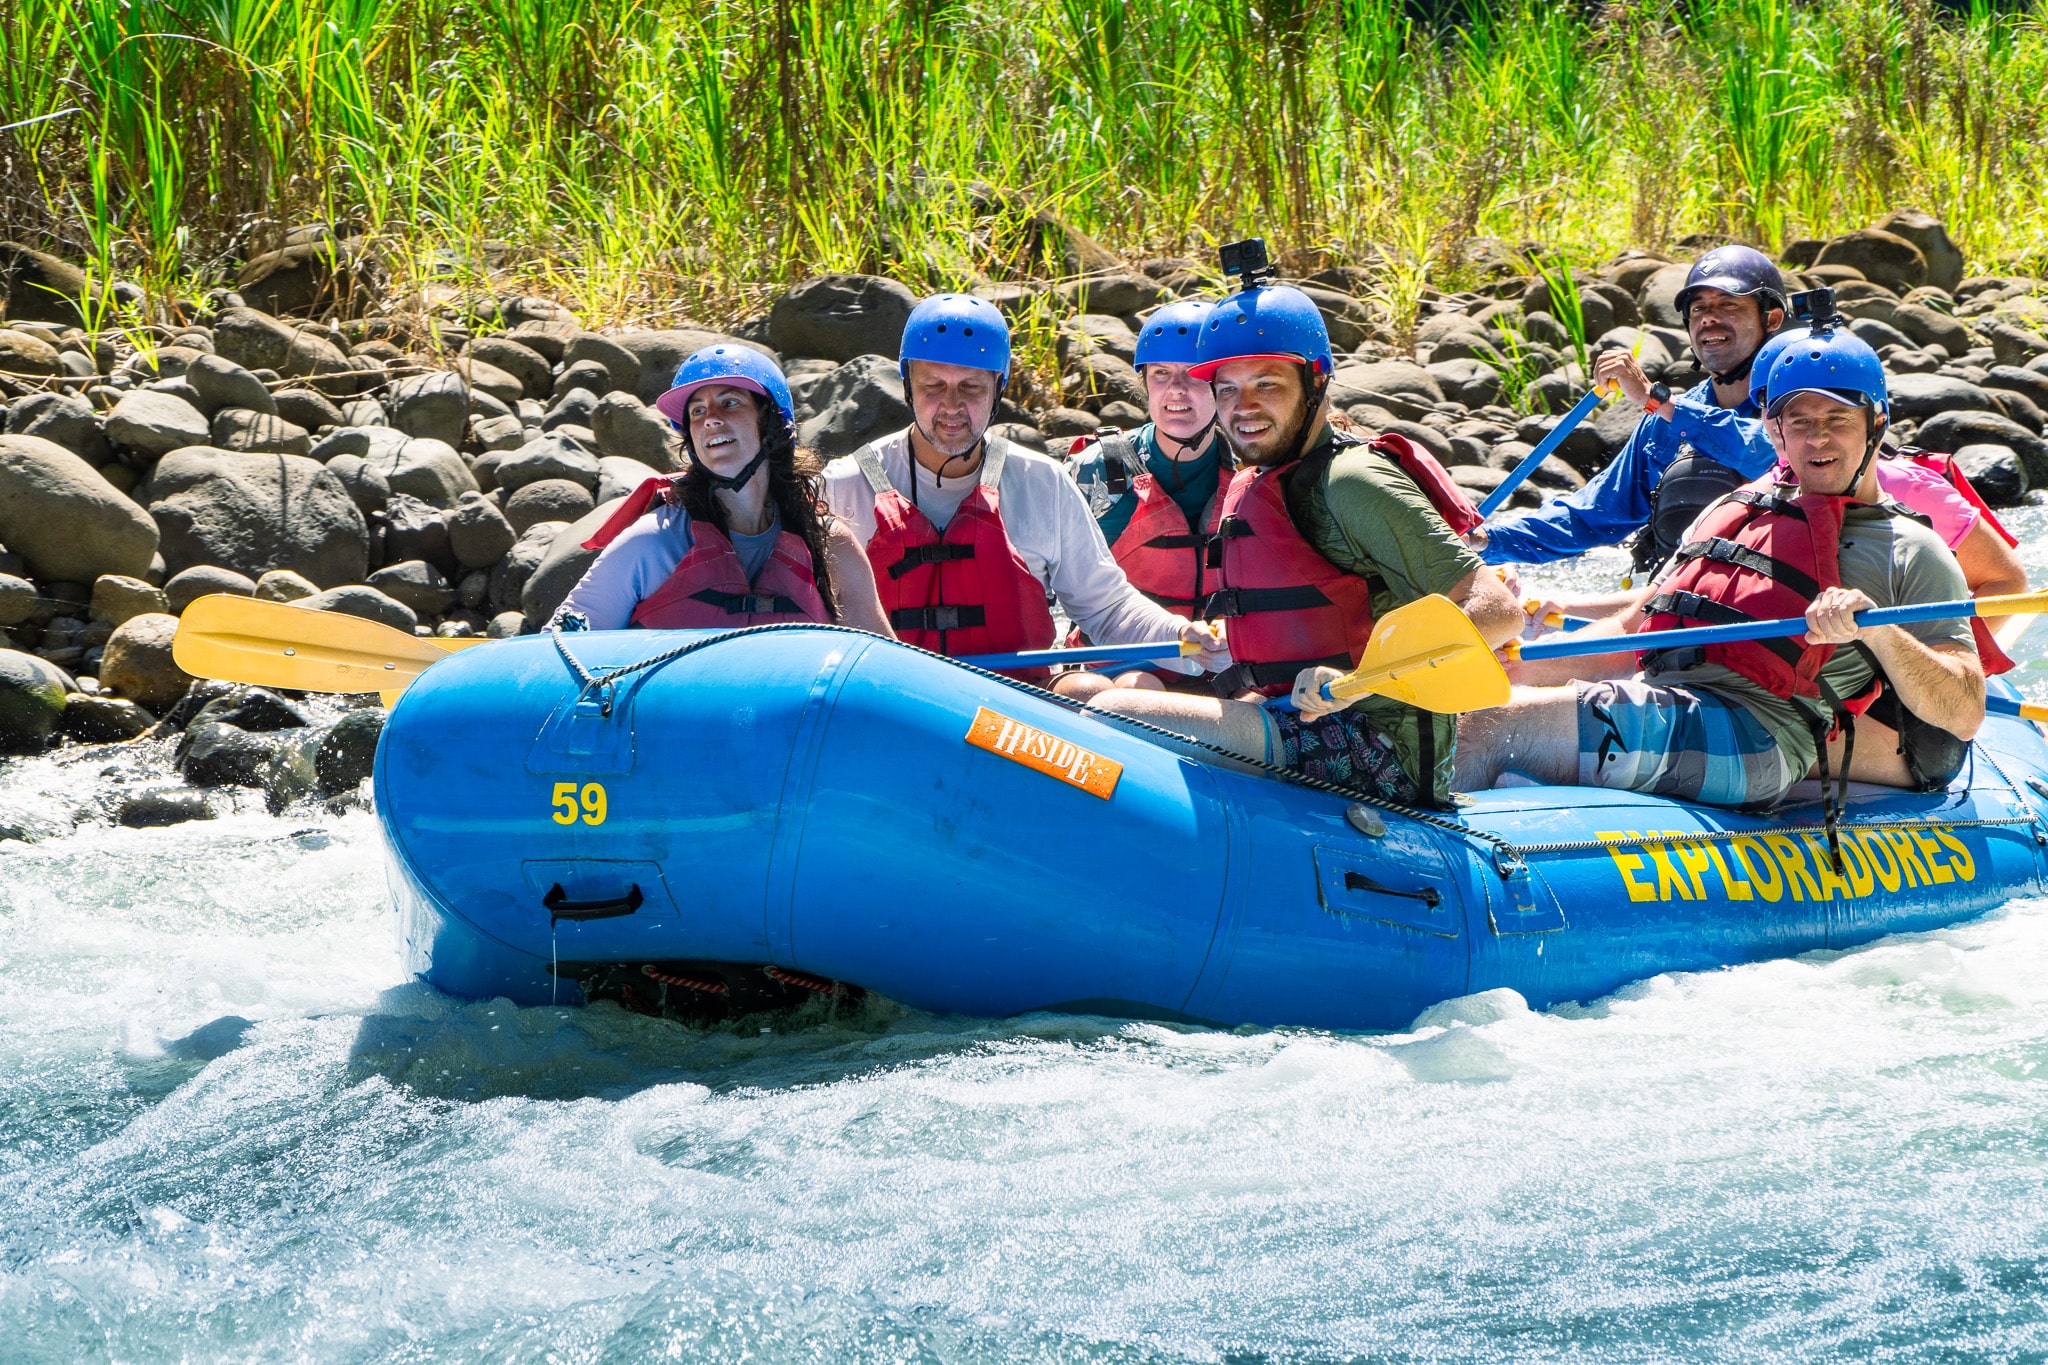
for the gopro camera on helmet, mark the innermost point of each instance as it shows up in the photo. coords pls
(1246, 262)
(1816, 308)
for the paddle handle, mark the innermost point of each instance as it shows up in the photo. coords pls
(2013, 706)
(1103, 654)
(1505, 489)
(1770, 630)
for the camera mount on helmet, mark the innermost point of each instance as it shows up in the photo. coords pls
(1247, 262)
(1816, 308)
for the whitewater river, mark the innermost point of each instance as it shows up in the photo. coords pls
(231, 1129)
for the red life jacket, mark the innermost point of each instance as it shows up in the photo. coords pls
(1994, 659)
(1288, 607)
(1164, 557)
(1762, 553)
(967, 591)
(709, 589)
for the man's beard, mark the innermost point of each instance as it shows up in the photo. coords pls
(1285, 438)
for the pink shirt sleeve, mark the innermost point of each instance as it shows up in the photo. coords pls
(1929, 494)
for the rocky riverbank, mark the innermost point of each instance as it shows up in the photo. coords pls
(434, 463)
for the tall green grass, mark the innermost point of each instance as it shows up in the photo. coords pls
(670, 158)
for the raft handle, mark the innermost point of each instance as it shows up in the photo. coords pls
(1358, 881)
(560, 907)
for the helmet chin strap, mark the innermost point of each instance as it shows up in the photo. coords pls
(721, 481)
(1195, 442)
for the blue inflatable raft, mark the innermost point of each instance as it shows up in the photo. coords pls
(788, 809)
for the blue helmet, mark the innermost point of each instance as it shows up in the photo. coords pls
(957, 329)
(1765, 357)
(726, 363)
(1172, 334)
(1835, 362)
(1274, 320)
(1740, 270)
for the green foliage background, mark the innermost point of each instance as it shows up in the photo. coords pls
(664, 157)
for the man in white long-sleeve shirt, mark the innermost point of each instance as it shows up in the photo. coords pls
(970, 536)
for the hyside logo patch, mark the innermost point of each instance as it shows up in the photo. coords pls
(1049, 754)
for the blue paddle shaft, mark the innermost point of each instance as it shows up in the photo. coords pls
(1103, 654)
(2002, 706)
(1740, 630)
(1507, 486)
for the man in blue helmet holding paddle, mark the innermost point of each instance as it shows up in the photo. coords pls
(1318, 534)
(973, 539)
(1737, 724)
(1688, 449)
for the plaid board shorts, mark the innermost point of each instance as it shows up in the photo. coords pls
(1669, 741)
(1345, 748)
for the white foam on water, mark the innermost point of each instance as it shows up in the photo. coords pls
(231, 1129)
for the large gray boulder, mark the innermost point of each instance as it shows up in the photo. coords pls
(561, 566)
(627, 428)
(856, 403)
(1657, 299)
(617, 477)
(257, 341)
(509, 575)
(419, 467)
(38, 287)
(254, 513)
(1944, 258)
(1996, 472)
(31, 701)
(1952, 431)
(153, 423)
(307, 279)
(28, 355)
(1359, 383)
(528, 366)
(64, 519)
(1882, 257)
(263, 432)
(64, 418)
(478, 533)
(357, 599)
(432, 406)
(621, 364)
(138, 662)
(221, 383)
(1932, 327)
(546, 457)
(837, 317)
(1920, 396)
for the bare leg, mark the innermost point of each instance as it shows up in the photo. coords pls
(1239, 726)
(1536, 733)
(1081, 685)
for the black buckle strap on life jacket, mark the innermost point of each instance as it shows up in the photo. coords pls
(1229, 528)
(1120, 460)
(747, 603)
(1721, 550)
(1768, 502)
(1192, 540)
(917, 556)
(1245, 601)
(938, 618)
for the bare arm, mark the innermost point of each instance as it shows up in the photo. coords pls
(853, 582)
(1942, 684)
(1486, 599)
(1990, 566)
(1622, 624)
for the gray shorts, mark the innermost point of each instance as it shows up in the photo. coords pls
(1671, 741)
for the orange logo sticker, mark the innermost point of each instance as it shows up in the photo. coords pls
(1049, 754)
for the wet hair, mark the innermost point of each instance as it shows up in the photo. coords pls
(795, 489)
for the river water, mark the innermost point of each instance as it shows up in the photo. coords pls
(230, 1129)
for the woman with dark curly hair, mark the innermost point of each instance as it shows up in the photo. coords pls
(740, 537)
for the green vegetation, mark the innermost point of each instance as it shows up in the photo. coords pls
(655, 158)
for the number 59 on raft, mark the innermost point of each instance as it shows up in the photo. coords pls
(588, 804)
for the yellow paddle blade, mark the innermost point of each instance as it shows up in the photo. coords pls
(275, 644)
(2013, 603)
(1427, 654)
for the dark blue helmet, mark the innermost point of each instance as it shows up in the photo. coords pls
(1739, 270)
